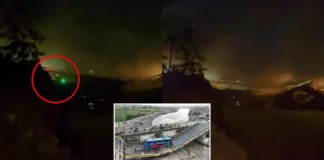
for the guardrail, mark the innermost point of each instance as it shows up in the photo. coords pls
(121, 149)
(235, 82)
(142, 81)
(171, 149)
(191, 139)
(143, 156)
(186, 129)
(149, 130)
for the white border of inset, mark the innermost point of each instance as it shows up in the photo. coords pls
(168, 104)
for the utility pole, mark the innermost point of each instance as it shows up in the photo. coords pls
(172, 41)
(171, 55)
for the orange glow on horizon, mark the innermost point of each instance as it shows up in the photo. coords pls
(141, 69)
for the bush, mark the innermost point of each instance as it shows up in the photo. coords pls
(23, 115)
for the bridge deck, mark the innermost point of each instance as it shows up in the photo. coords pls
(189, 135)
(156, 81)
(146, 84)
(150, 130)
(180, 140)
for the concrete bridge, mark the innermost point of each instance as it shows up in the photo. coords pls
(236, 85)
(197, 131)
(145, 84)
(155, 129)
(156, 81)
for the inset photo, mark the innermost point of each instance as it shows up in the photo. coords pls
(162, 131)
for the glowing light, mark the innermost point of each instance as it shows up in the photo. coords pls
(63, 81)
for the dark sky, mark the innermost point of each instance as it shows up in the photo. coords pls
(241, 40)
(114, 38)
(259, 40)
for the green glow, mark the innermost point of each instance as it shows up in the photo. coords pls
(63, 80)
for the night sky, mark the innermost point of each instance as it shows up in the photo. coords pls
(266, 40)
(112, 38)
(242, 41)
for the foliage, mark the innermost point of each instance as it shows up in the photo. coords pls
(181, 43)
(187, 74)
(131, 116)
(187, 52)
(23, 115)
(20, 35)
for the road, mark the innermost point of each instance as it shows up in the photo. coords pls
(118, 148)
(186, 135)
(150, 83)
(158, 129)
(178, 141)
(130, 150)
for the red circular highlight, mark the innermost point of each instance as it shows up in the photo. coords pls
(60, 57)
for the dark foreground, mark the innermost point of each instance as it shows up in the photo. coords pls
(267, 134)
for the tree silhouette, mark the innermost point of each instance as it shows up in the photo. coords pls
(184, 77)
(187, 52)
(164, 66)
(179, 39)
(28, 123)
(172, 39)
(19, 33)
(172, 25)
(185, 49)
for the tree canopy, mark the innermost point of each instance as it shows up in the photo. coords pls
(182, 47)
(19, 33)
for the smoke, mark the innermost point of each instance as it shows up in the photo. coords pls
(141, 68)
(244, 42)
(111, 46)
(277, 76)
(221, 64)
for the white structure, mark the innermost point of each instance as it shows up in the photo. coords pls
(182, 115)
(176, 117)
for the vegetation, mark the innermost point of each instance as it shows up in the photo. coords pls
(183, 47)
(188, 73)
(129, 116)
(20, 35)
(23, 116)
(185, 82)
(122, 114)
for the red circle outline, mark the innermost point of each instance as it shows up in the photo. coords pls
(61, 57)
